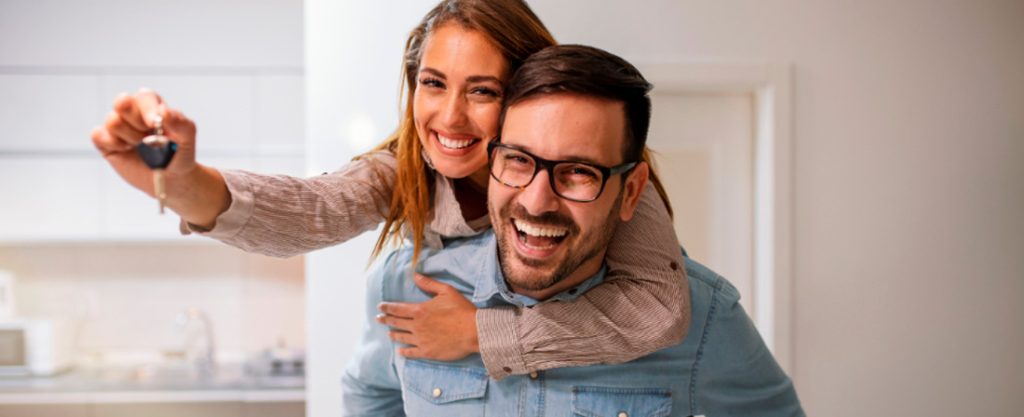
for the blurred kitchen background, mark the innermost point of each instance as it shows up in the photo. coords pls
(856, 168)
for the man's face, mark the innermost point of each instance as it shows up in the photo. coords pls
(547, 244)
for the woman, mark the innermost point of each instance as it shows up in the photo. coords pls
(426, 182)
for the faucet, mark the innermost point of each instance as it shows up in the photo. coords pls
(205, 360)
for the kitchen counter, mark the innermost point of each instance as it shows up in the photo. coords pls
(151, 385)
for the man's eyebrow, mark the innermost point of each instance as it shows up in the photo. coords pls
(569, 158)
(583, 159)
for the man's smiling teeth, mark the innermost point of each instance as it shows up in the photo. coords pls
(453, 143)
(538, 230)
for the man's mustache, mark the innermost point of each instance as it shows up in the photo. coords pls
(544, 219)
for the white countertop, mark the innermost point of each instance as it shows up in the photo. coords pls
(229, 383)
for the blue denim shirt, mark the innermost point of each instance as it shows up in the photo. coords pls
(722, 367)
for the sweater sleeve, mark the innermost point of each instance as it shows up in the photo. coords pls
(283, 216)
(642, 306)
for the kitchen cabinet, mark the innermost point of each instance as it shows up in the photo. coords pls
(111, 392)
(171, 409)
(204, 409)
(48, 410)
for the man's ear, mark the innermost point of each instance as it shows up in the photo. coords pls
(634, 188)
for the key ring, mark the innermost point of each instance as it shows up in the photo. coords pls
(157, 138)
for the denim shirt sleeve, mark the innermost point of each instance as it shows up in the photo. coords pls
(370, 385)
(735, 374)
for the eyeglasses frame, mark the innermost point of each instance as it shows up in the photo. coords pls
(549, 166)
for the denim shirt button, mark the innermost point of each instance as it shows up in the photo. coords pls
(437, 393)
(623, 414)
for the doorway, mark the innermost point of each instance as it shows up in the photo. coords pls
(703, 150)
(721, 136)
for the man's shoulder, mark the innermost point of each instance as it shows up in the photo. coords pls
(734, 370)
(706, 284)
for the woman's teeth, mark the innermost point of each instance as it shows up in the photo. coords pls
(454, 143)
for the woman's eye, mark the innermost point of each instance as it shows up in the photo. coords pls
(484, 91)
(431, 83)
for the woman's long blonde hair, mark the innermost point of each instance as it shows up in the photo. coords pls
(517, 31)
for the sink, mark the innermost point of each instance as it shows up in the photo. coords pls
(167, 377)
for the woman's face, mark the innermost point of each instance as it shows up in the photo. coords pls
(459, 89)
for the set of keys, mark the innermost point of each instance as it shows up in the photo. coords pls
(156, 151)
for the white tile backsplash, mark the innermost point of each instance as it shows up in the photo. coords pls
(279, 112)
(48, 112)
(126, 297)
(220, 105)
(126, 212)
(31, 185)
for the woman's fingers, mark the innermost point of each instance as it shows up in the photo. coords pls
(432, 286)
(137, 110)
(179, 128)
(413, 353)
(395, 322)
(404, 338)
(402, 310)
(140, 108)
(106, 143)
(122, 130)
(128, 111)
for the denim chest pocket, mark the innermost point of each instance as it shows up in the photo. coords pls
(436, 388)
(621, 402)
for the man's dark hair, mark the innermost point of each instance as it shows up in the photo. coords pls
(587, 71)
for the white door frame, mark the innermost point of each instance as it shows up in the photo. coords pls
(771, 87)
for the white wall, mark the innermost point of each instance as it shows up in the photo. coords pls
(353, 54)
(909, 157)
(908, 161)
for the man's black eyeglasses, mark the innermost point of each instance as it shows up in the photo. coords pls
(571, 180)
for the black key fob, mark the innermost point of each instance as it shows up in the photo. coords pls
(157, 155)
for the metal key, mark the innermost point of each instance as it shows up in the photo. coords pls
(156, 151)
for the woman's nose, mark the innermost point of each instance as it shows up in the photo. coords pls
(454, 112)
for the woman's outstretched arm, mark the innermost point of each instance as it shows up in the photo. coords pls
(280, 215)
(270, 214)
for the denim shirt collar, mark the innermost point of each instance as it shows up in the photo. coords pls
(491, 286)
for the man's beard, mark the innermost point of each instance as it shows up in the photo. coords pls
(532, 278)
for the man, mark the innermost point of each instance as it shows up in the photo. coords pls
(563, 175)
